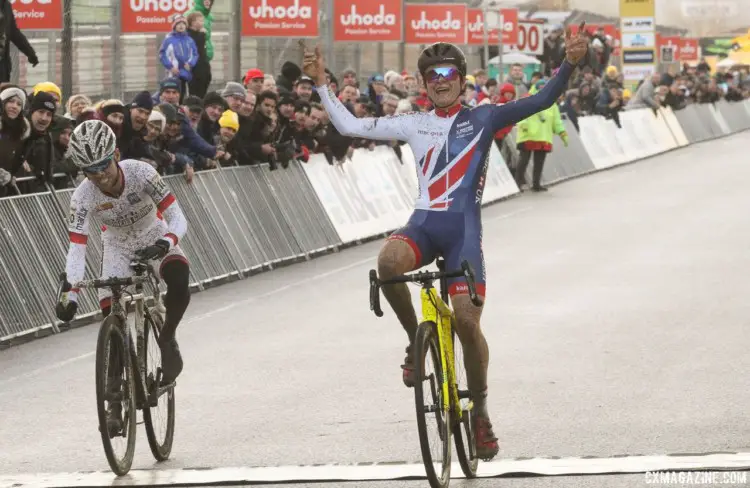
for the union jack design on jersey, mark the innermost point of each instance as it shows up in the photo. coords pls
(451, 147)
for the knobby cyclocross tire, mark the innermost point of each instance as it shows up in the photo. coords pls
(463, 430)
(111, 336)
(161, 449)
(429, 390)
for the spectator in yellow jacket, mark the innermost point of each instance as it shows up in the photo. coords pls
(535, 137)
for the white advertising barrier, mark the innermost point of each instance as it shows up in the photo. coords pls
(667, 115)
(374, 192)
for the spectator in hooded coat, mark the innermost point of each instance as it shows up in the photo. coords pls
(179, 54)
(14, 130)
(198, 85)
(204, 7)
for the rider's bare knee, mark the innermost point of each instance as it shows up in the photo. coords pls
(467, 317)
(395, 258)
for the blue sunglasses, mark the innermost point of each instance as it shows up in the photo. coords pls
(99, 167)
(448, 73)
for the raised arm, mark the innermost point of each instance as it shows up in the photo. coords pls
(388, 128)
(514, 112)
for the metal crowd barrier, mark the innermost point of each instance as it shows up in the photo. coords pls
(246, 219)
(241, 220)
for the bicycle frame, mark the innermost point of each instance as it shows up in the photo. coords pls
(143, 273)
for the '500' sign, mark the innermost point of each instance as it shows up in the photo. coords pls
(530, 38)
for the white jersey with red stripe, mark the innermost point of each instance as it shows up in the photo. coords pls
(133, 220)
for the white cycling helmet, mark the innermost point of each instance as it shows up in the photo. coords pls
(92, 144)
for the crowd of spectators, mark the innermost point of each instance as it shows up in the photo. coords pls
(183, 128)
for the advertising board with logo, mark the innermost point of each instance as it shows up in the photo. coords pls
(139, 16)
(668, 48)
(475, 27)
(38, 14)
(280, 18)
(367, 20)
(689, 49)
(428, 23)
(638, 39)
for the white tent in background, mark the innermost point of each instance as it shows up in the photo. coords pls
(516, 57)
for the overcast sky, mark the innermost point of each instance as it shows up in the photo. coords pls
(718, 14)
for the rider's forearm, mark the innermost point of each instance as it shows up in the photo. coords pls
(75, 266)
(380, 128)
(176, 221)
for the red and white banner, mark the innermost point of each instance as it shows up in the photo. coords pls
(367, 20)
(280, 18)
(38, 14)
(428, 23)
(668, 48)
(475, 26)
(689, 49)
(150, 16)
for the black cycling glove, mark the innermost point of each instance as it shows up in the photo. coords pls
(157, 251)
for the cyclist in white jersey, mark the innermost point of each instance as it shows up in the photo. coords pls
(132, 202)
(451, 147)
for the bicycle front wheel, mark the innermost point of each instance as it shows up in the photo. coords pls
(433, 418)
(158, 410)
(115, 395)
(463, 430)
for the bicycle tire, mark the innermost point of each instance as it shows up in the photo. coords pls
(463, 431)
(111, 333)
(426, 342)
(161, 451)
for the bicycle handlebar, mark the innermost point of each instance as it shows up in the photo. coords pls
(423, 277)
(139, 266)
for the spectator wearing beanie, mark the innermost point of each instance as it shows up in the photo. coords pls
(14, 130)
(234, 94)
(131, 142)
(76, 105)
(286, 110)
(61, 163)
(179, 54)
(198, 85)
(37, 150)
(172, 141)
(213, 107)
(112, 113)
(169, 92)
(50, 88)
(192, 106)
(304, 88)
(290, 73)
(156, 155)
(229, 125)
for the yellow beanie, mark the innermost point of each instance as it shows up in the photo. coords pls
(230, 120)
(48, 87)
(626, 93)
(612, 70)
(471, 79)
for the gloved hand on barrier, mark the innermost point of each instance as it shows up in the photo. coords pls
(157, 251)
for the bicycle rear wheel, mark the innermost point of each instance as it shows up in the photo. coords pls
(115, 390)
(434, 432)
(158, 415)
(463, 430)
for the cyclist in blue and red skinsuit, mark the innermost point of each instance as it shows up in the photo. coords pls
(451, 145)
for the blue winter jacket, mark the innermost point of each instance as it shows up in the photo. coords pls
(177, 49)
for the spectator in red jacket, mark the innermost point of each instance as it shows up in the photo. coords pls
(507, 94)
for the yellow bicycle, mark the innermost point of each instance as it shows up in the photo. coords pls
(441, 390)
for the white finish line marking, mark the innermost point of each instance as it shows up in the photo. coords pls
(739, 461)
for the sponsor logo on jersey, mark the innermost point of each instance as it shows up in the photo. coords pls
(77, 218)
(131, 217)
(160, 187)
(133, 198)
(105, 206)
